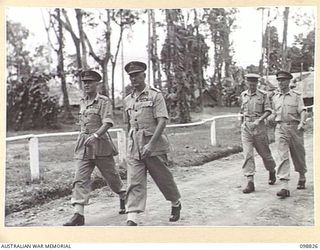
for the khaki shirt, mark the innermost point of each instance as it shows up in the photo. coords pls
(92, 115)
(254, 104)
(288, 106)
(143, 111)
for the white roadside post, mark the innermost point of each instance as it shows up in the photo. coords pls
(34, 159)
(121, 134)
(213, 133)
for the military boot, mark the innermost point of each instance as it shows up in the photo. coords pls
(272, 177)
(283, 193)
(76, 220)
(175, 213)
(122, 206)
(249, 188)
(131, 223)
(301, 184)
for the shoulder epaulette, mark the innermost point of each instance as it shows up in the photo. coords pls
(262, 91)
(296, 92)
(244, 92)
(103, 97)
(154, 89)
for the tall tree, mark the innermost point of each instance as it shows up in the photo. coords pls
(183, 56)
(18, 58)
(29, 105)
(101, 56)
(76, 40)
(124, 19)
(284, 63)
(156, 71)
(272, 49)
(79, 16)
(58, 30)
(301, 55)
(221, 23)
(173, 58)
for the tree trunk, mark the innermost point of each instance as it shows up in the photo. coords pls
(66, 107)
(284, 39)
(79, 16)
(114, 61)
(105, 86)
(105, 81)
(197, 23)
(154, 53)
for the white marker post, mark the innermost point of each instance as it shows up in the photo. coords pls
(34, 159)
(121, 135)
(213, 133)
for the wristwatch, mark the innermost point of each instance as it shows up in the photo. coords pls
(95, 135)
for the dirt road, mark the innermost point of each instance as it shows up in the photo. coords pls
(211, 196)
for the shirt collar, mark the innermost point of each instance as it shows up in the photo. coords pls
(287, 93)
(85, 98)
(251, 94)
(145, 90)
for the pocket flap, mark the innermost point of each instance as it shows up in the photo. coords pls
(145, 104)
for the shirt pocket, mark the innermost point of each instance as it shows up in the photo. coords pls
(292, 108)
(244, 104)
(93, 115)
(146, 109)
(258, 105)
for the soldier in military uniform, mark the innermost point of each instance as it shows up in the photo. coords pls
(94, 147)
(290, 116)
(255, 108)
(148, 145)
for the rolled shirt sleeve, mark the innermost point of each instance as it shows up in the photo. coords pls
(267, 104)
(159, 107)
(301, 106)
(106, 112)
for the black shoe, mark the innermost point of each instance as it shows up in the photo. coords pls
(301, 184)
(272, 177)
(131, 223)
(249, 188)
(122, 207)
(283, 193)
(175, 213)
(76, 220)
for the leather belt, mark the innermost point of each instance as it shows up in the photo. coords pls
(288, 123)
(251, 118)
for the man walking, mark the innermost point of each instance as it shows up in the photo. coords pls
(290, 116)
(255, 109)
(148, 145)
(94, 148)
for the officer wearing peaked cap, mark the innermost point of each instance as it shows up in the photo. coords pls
(94, 148)
(290, 116)
(135, 67)
(281, 74)
(90, 75)
(148, 145)
(255, 109)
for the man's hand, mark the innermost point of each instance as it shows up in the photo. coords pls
(147, 150)
(256, 122)
(90, 140)
(271, 120)
(301, 126)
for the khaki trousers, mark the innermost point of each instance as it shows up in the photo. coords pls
(290, 139)
(255, 138)
(137, 181)
(82, 180)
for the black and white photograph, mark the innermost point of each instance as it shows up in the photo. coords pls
(160, 117)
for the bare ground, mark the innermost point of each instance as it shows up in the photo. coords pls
(211, 196)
